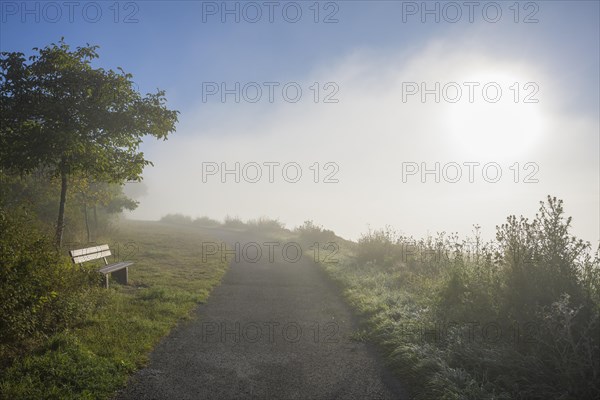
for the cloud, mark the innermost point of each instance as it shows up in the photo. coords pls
(369, 134)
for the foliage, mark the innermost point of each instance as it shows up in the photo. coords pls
(90, 207)
(540, 260)
(261, 225)
(233, 222)
(41, 292)
(515, 318)
(61, 114)
(94, 358)
(176, 219)
(264, 224)
(206, 222)
(378, 247)
(309, 232)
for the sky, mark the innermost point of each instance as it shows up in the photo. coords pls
(424, 116)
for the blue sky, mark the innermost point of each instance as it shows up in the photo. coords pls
(368, 52)
(169, 46)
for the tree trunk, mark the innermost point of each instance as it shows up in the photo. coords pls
(95, 222)
(60, 224)
(87, 222)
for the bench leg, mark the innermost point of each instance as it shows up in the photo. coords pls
(121, 276)
(106, 281)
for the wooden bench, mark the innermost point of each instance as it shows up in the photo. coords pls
(118, 270)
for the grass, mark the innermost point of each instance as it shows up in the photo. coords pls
(95, 358)
(429, 315)
(389, 314)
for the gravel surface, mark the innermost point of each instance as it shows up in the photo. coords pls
(272, 330)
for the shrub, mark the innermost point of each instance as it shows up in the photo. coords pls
(379, 247)
(540, 261)
(176, 219)
(310, 232)
(265, 224)
(206, 222)
(41, 292)
(537, 288)
(233, 222)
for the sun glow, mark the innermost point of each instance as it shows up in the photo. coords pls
(498, 115)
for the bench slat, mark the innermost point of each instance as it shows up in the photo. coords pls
(91, 256)
(114, 267)
(89, 250)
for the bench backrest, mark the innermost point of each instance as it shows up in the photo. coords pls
(89, 254)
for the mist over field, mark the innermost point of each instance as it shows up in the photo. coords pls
(366, 117)
(370, 133)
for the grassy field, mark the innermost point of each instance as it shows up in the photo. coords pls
(94, 358)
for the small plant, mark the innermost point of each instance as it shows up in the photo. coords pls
(379, 247)
(177, 219)
(266, 225)
(309, 232)
(206, 222)
(234, 222)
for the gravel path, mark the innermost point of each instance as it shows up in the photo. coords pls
(272, 330)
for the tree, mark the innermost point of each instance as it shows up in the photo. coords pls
(91, 194)
(61, 113)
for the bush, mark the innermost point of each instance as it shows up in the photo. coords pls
(233, 222)
(540, 261)
(206, 222)
(310, 232)
(264, 224)
(514, 318)
(378, 247)
(41, 292)
(568, 342)
(177, 219)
